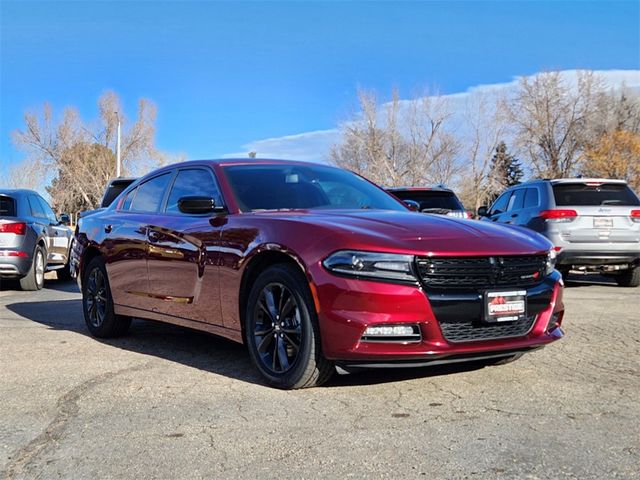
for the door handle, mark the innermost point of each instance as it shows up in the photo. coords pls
(153, 236)
(108, 228)
(514, 215)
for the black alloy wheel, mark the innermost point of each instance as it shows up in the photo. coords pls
(281, 330)
(97, 303)
(278, 331)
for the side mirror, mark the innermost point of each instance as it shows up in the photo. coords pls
(65, 219)
(412, 205)
(196, 205)
(483, 212)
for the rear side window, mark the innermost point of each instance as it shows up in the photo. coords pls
(7, 206)
(581, 194)
(196, 182)
(47, 210)
(149, 195)
(531, 198)
(36, 207)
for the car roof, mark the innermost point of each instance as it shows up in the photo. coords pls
(17, 191)
(418, 189)
(586, 180)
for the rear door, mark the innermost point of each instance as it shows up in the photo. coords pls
(603, 214)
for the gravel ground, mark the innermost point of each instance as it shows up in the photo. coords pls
(167, 402)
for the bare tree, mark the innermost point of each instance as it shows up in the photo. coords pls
(399, 142)
(551, 119)
(80, 156)
(485, 129)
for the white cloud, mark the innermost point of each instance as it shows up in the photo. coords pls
(315, 145)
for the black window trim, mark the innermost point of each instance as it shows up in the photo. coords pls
(219, 208)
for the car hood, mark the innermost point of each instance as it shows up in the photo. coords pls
(420, 233)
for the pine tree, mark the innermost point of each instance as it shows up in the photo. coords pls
(505, 171)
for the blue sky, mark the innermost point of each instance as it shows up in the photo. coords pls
(225, 74)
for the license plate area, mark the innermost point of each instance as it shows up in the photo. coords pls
(505, 306)
(603, 223)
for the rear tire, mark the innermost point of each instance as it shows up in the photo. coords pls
(630, 278)
(281, 330)
(34, 280)
(97, 303)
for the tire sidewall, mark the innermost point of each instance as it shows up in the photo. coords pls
(284, 275)
(39, 252)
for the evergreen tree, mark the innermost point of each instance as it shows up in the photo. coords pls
(505, 171)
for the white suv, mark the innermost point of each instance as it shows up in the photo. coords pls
(593, 222)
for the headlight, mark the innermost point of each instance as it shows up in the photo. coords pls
(384, 266)
(551, 261)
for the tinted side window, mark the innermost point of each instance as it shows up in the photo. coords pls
(47, 210)
(196, 182)
(531, 198)
(150, 194)
(36, 207)
(517, 200)
(500, 205)
(126, 204)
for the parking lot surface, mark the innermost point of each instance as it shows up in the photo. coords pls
(166, 402)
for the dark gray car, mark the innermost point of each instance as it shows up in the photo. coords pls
(32, 239)
(593, 222)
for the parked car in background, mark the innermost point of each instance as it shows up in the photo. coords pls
(594, 223)
(114, 188)
(32, 239)
(438, 200)
(311, 267)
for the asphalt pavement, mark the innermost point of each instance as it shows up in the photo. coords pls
(167, 403)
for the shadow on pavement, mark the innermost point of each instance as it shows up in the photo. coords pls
(49, 284)
(576, 280)
(201, 350)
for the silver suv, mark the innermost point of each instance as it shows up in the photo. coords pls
(593, 222)
(32, 239)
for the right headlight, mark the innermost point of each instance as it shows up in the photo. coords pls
(551, 261)
(382, 266)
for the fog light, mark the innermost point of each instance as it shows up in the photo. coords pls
(554, 321)
(392, 333)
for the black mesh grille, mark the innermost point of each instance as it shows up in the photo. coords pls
(473, 331)
(480, 272)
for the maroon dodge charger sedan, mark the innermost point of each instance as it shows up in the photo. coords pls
(313, 267)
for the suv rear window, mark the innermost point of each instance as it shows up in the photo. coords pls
(581, 194)
(7, 206)
(430, 199)
(115, 188)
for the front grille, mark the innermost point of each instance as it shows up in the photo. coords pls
(481, 272)
(474, 331)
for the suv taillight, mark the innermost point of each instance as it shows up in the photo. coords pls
(635, 216)
(19, 228)
(559, 215)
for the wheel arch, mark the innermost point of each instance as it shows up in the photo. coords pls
(258, 263)
(89, 254)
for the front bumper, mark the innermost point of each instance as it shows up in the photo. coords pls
(347, 307)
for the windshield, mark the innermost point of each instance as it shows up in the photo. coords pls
(580, 194)
(284, 187)
(430, 199)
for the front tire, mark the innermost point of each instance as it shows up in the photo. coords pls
(281, 330)
(97, 303)
(34, 279)
(630, 278)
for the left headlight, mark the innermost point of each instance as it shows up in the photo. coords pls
(551, 261)
(383, 266)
